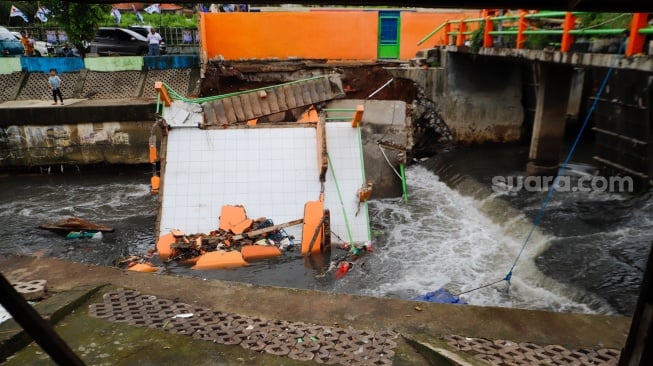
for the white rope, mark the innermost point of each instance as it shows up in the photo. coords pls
(388, 161)
(379, 89)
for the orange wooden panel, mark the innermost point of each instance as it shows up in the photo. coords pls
(313, 213)
(259, 252)
(143, 267)
(234, 219)
(220, 260)
(163, 246)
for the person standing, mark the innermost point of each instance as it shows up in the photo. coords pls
(24, 41)
(29, 51)
(154, 39)
(55, 82)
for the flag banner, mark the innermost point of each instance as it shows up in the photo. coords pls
(154, 8)
(15, 12)
(115, 13)
(42, 14)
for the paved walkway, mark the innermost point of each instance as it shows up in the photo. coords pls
(246, 315)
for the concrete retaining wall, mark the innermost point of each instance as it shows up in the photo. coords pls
(478, 98)
(83, 143)
(482, 99)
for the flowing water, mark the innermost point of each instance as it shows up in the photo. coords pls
(455, 232)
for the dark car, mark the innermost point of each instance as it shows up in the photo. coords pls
(144, 30)
(113, 41)
(9, 45)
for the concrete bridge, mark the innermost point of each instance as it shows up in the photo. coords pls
(504, 88)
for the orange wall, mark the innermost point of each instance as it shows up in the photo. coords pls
(330, 35)
(416, 25)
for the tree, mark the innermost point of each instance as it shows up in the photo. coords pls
(79, 20)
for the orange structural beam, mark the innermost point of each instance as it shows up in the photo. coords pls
(358, 116)
(567, 39)
(462, 28)
(313, 228)
(487, 38)
(159, 87)
(636, 39)
(521, 27)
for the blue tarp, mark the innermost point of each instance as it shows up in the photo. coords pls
(441, 296)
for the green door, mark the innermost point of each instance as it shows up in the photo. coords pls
(389, 26)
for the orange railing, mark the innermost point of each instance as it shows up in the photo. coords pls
(457, 31)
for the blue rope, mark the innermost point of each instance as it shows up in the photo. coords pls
(552, 191)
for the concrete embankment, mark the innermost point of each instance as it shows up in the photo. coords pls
(428, 326)
(108, 111)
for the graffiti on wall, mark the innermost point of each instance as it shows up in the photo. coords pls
(37, 144)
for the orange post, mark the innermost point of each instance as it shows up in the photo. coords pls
(462, 27)
(636, 40)
(447, 30)
(358, 116)
(567, 39)
(521, 27)
(158, 86)
(487, 38)
(152, 154)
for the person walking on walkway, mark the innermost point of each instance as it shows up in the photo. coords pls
(154, 39)
(55, 83)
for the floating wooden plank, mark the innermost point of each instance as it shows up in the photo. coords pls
(268, 229)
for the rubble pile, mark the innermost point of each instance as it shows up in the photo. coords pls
(261, 232)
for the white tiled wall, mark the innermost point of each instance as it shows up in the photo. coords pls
(345, 154)
(272, 172)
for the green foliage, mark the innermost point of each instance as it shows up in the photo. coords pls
(605, 20)
(79, 20)
(155, 20)
(540, 41)
(477, 39)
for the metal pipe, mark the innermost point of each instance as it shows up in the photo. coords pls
(648, 30)
(433, 32)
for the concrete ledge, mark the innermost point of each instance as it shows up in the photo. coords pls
(44, 64)
(118, 63)
(641, 63)
(29, 112)
(12, 335)
(171, 62)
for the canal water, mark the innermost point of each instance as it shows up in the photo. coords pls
(455, 232)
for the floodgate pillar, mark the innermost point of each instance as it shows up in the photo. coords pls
(550, 117)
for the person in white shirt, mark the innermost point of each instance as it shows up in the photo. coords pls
(154, 39)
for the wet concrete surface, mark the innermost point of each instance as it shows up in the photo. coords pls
(95, 339)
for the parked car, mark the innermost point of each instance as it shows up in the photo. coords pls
(41, 48)
(9, 45)
(113, 41)
(144, 30)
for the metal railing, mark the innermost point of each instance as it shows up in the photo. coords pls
(457, 31)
